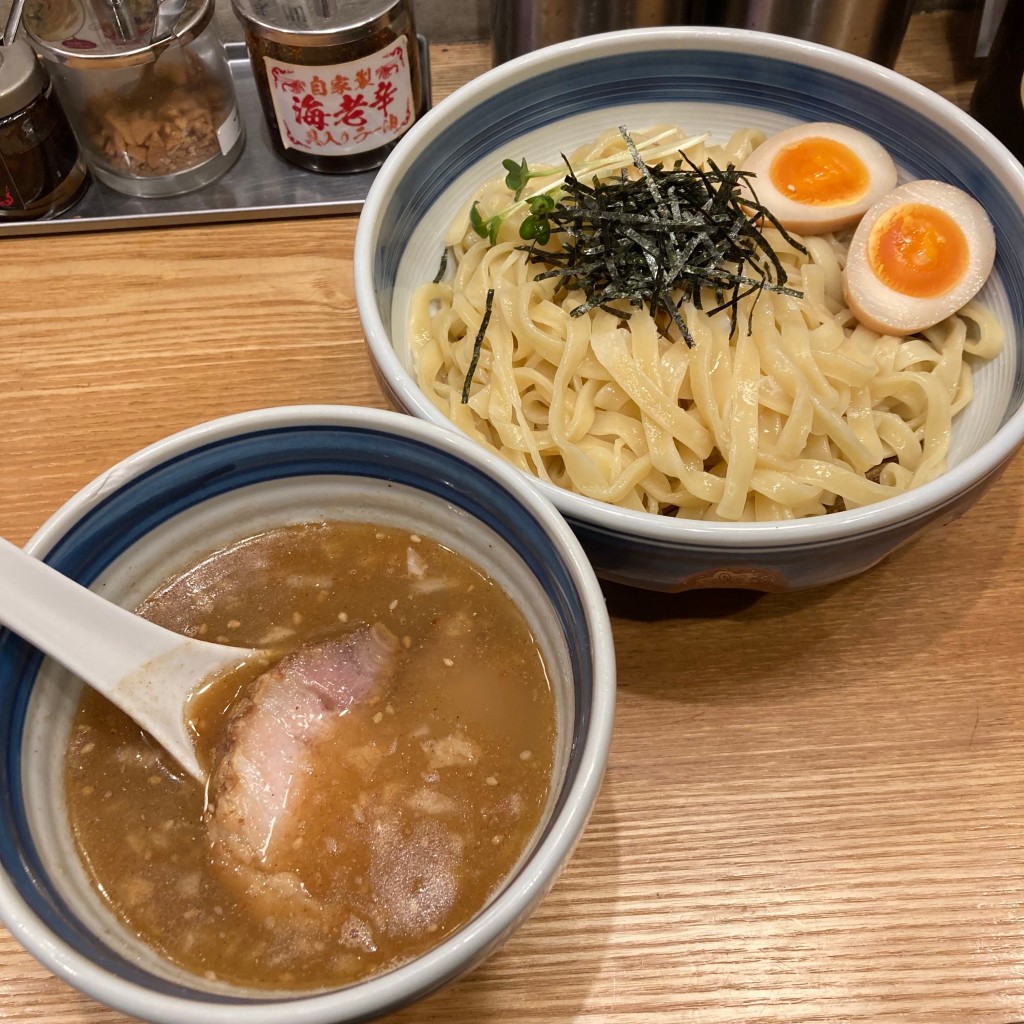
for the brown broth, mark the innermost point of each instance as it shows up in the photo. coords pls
(421, 803)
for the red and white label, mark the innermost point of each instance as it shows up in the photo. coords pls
(10, 197)
(344, 108)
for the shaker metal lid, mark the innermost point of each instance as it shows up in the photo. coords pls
(117, 33)
(317, 22)
(22, 78)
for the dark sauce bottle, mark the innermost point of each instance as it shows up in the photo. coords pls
(41, 170)
(998, 100)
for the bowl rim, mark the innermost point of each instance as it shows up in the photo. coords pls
(908, 507)
(477, 938)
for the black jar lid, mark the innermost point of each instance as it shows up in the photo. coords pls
(22, 78)
(318, 22)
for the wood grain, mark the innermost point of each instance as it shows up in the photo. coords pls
(814, 809)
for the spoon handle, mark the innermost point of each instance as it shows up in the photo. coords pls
(146, 670)
(13, 22)
(96, 639)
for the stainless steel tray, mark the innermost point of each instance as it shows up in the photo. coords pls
(260, 186)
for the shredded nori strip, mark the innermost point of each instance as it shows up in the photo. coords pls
(442, 268)
(478, 344)
(669, 231)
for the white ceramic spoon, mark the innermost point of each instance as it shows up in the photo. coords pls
(149, 672)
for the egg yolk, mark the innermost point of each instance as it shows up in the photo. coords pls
(820, 172)
(918, 250)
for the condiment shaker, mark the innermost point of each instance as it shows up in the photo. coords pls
(339, 80)
(41, 170)
(153, 117)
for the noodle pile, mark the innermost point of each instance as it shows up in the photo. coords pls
(806, 413)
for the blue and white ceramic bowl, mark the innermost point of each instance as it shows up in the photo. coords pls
(156, 511)
(705, 80)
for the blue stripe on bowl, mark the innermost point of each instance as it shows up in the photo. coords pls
(126, 515)
(803, 92)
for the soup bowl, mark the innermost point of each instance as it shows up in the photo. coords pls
(166, 506)
(715, 80)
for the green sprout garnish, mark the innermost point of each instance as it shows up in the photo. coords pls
(519, 174)
(484, 228)
(536, 227)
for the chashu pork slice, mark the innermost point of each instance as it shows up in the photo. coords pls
(256, 786)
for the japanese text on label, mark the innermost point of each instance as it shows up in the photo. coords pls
(344, 108)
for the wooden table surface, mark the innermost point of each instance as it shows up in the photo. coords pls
(814, 808)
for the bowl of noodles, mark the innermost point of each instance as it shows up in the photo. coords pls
(582, 261)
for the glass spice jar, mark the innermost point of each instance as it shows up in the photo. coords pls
(153, 118)
(41, 170)
(339, 80)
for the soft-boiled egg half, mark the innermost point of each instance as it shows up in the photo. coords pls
(819, 177)
(918, 255)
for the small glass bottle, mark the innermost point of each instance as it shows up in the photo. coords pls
(153, 118)
(340, 82)
(41, 171)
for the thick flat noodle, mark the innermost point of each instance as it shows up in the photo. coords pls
(774, 424)
(612, 348)
(743, 431)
